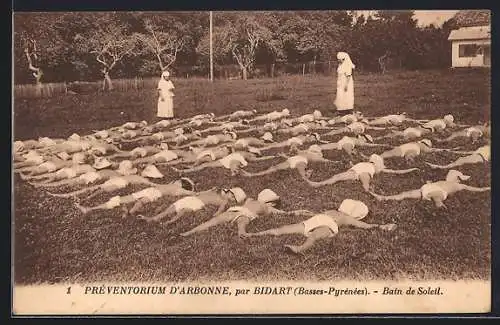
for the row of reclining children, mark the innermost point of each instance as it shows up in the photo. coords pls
(223, 153)
(233, 206)
(75, 143)
(407, 150)
(300, 165)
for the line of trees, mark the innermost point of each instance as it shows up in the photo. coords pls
(68, 46)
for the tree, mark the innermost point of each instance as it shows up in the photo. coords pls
(37, 45)
(110, 43)
(244, 37)
(31, 52)
(163, 45)
(320, 35)
(239, 36)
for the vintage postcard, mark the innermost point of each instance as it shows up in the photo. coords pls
(251, 162)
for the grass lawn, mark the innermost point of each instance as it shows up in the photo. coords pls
(54, 242)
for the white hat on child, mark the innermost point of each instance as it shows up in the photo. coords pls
(354, 208)
(239, 194)
(126, 168)
(267, 195)
(268, 136)
(152, 172)
(101, 163)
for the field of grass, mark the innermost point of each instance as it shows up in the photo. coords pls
(54, 242)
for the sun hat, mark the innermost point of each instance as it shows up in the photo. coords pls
(18, 146)
(101, 163)
(152, 172)
(180, 138)
(99, 149)
(254, 150)
(85, 145)
(454, 175)
(303, 126)
(317, 114)
(267, 195)
(196, 122)
(148, 129)
(103, 134)
(322, 122)
(158, 136)
(354, 208)
(130, 125)
(449, 118)
(74, 137)
(47, 141)
(165, 73)
(179, 131)
(126, 168)
(427, 142)
(377, 160)
(316, 136)
(270, 126)
(315, 149)
(129, 134)
(295, 141)
(285, 111)
(239, 194)
(268, 136)
(31, 153)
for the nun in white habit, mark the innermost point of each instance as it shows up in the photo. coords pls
(165, 96)
(345, 84)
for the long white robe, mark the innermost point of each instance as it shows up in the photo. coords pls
(165, 107)
(345, 98)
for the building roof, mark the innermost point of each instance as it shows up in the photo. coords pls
(467, 18)
(470, 33)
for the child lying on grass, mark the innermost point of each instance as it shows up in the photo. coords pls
(325, 225)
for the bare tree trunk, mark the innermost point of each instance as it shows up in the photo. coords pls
(244, 72)
(38, 84)
(314, 64)
(107, 81)
(382, 62)
(37, 71)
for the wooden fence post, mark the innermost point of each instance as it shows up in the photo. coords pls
(272, 70)
(303, 69)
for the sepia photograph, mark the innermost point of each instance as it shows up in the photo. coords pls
(192, 162)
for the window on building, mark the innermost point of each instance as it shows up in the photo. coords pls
(468, 50)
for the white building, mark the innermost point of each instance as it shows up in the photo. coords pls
(471, 42)
(471, 47)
